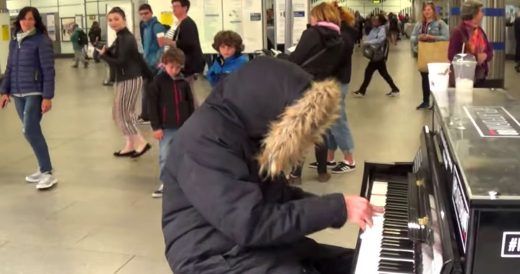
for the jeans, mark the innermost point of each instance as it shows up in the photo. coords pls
(369, 72)
(425, 87)
(339, 134)
(30, 112)
(164, 146)
(79, 56)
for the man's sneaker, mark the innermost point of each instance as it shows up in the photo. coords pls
(343, 167)
(329, 164)
(47, 181)
(158, 192)
(393, 93)
(34, 178)
(359, 94)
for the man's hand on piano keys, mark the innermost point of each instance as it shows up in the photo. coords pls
(360, 211)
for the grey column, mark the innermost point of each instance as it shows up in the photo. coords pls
(494, 26)
(3, 5)
(288, 24)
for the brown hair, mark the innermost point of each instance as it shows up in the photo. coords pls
(345, 15)
(431, 5)
(228, 38)
(326, 12)
(173, 55)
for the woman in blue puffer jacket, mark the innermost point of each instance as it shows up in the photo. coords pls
(29, 80)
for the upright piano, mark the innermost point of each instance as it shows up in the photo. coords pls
(455, 208)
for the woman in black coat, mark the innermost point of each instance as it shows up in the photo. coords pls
(130, 68)
(318, 53)
(94, 35)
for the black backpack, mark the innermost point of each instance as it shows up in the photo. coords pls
(82, 39)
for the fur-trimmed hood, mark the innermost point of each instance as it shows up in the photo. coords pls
(285, 113)
(301, 125)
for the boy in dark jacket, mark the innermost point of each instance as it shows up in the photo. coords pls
(170, 104)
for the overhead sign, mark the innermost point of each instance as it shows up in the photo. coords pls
(493, 121)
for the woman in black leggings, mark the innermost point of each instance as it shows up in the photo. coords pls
(377, 36)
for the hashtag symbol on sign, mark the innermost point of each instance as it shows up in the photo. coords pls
(513, 244)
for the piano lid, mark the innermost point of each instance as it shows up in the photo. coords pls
(483, 131)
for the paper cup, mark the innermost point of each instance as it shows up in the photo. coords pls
(439, 82)
(160, 35)
(439, 68)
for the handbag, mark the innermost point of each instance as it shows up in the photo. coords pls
(375, 53)
(431, 52)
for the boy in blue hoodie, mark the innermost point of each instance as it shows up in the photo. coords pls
(229, 46)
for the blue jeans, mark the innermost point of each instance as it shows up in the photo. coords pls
(30, 112)
(164, 146)
(339, 134)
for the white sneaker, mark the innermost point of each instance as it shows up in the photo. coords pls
(34, 178)
(46, 182)
(158, 193)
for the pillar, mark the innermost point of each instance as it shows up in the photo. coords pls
(494, 26)
(4, 35)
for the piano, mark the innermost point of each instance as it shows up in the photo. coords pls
(455, 207)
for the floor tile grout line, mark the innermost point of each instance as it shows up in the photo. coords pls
(121, 267)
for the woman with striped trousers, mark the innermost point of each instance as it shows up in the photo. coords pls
(125, 58)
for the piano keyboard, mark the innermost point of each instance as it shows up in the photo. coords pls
(386, 247)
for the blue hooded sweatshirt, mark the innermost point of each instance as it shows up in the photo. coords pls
(223, 67)
(152, 51)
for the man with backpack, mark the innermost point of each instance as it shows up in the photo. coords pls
(150, 27)
(79, 40)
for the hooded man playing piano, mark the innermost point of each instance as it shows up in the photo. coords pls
(227, 208)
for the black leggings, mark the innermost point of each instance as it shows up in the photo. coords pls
(369, 71)
(320, 151)
(425, 87)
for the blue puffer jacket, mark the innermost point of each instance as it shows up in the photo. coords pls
(30, 67)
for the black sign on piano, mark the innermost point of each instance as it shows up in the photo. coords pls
(511, 245)
(493, 121)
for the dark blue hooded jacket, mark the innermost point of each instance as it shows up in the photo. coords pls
(30, 67)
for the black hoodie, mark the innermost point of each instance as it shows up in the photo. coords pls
(218, 212)
(313, 40)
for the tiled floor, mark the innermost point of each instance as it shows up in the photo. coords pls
(101, 217)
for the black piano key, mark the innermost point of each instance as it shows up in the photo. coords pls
(392, 243)
(396, 254)
(386, 265)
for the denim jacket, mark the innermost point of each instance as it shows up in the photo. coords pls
(438, 29)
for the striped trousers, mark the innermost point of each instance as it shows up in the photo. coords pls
(123, 111)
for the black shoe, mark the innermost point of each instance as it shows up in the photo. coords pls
(329, 164)
(517, 68)
(343, 167)
(75, 66)
(85, 65)
(423, 105)
(359, 93)
(126, 154)
(138, 154)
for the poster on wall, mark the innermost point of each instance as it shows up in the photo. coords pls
(212, 21)
(300, 20)
(67, 24)
(252, 25)
(51, 26)
(279, 11)
(233, 15)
